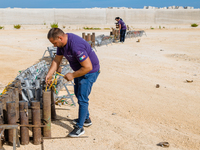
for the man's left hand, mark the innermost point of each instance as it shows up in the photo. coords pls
(69, 76)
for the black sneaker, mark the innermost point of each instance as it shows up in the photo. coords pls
(77, 132)
(87, 122)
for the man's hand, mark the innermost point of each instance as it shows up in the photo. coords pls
(69, 76)
(48, 79)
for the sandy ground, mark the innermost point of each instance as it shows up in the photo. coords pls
(127, 110)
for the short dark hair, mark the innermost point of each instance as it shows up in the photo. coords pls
(117, 18)
(54, 33)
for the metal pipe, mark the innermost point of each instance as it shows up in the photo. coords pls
(19, 89)
(93, 37)
(88, 37)
(53, 109)
(1, 122)
(30, 125)
(16, 99)
(14, 138)
(6, 98)
(41, 94)
(47, 113)
(38, 89)
(36, 121)
(11, 116)
(1, 113)
(24, 132)
(9, 92)
(83, 35)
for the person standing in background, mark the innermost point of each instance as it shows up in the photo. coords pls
(122, 29)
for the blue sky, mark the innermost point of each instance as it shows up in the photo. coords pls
(96, 3)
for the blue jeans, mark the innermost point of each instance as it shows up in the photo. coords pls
(122, 35)
(82, 89)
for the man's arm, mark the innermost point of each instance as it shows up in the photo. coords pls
(120, 26)
(86, 67)
(54, 66)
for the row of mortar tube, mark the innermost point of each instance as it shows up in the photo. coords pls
(14, 111)
(89, 38)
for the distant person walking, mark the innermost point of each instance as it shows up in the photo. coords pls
(122, 28)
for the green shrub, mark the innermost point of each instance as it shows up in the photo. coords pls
(44, 23)
(54, 25)
(159, 27)
(1, 27)
(194, 25)
(18, 26)
(87, 28)
(96, 28)
(106, 28)
(152, 28)
(63, 26)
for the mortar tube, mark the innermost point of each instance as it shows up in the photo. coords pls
(24, 131)
(11, 116)
(37, 91)
(53, 109)
(83, 35)
(9, 93)
(47, 113)
(93, 37)
(16, 91)
(88, 37)
(5, 98)
(36, 121)
(15, 98)
(18, 84)
(1, 122)
(37, 94)
(41, 94)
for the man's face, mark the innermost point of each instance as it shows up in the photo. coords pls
(57, 42)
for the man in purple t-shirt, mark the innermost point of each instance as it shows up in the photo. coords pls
(85, 64)
(122, 29)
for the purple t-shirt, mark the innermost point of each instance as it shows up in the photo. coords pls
(77, 50)
(123, 25)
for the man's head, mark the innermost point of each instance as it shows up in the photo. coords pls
(57, 37)
(117, 18)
